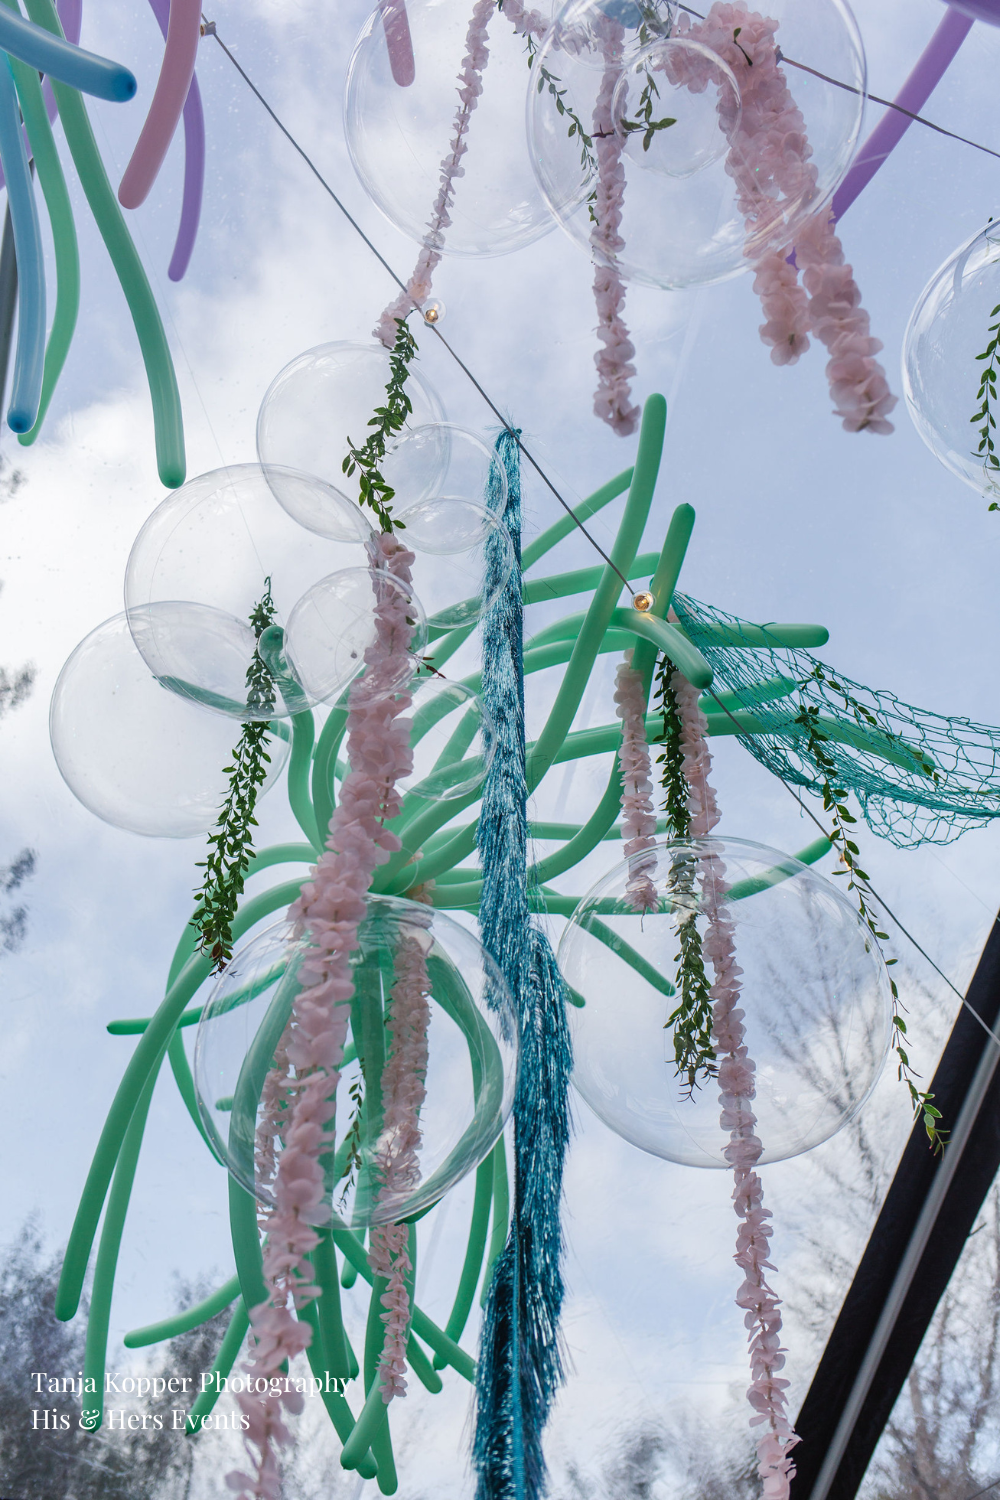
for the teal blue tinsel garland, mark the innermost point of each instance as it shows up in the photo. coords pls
(519, 1367)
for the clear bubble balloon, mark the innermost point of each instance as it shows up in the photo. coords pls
(948, 331)
(333, 625)
(441, 458)
(814, 992)
(453, 741)
(314, 410)
(400, 134)
(670, 104)
(202, 564)
(460, 1009)
(666, 126)
(136, 755)
(448, 536)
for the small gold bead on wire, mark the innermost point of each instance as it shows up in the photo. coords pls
(433, 312)
(642, 602)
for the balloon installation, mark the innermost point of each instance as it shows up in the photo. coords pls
(357, 1059)
(359, 1053)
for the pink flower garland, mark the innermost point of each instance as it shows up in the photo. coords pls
(470, 86)
(769, 156)
(860, 391)
(330, 908)
(403, 1092)
(638, 816)
(614, 362)
(736, 1081)
(524, 22)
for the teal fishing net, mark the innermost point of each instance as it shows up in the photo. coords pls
(920, 777)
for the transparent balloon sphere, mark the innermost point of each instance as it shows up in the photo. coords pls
(463, 1052)
(815, 993)
(606, 81)
(202, 564)
(334, 624)
(943, 373)
(136, 755)
(664, 125)
(453, 540)
(453, 741)
(442, 458)
(315, 409)
(403, 96)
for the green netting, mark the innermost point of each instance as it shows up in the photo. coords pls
(919, 777)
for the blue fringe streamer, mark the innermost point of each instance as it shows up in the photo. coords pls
(520, 1368)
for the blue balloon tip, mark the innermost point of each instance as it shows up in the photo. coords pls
(19, 421)
(125, 85)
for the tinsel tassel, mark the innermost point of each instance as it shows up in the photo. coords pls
(520, 1368)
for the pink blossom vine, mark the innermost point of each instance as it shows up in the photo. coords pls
(614, 361)
(638, 816)
(525, 22)
(761, 1315)
(860, 392)
(397, 1163)
(769, 160)
(470, 86)
(298, 1109)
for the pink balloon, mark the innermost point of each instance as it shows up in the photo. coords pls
(398, 41)
(176, 72)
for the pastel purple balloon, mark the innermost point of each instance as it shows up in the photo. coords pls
(979, 10)
(194, 162)
(167, 104)
(917, 89)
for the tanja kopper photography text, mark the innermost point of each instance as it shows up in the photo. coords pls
(151, 1389)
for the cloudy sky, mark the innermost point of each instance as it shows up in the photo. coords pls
(797, 520)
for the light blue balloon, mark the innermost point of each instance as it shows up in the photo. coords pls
(60, 59)
(625, 12)
(30, 357)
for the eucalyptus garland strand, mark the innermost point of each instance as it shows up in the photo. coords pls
(230, 844)
(691, 1021)
(374, 491)
(835, 803)
(987, 394)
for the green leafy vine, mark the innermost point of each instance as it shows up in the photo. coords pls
(588, 160)
(691, 1021)
(644, 114)
(230, 844)
(987, 394)
(352, 1139)
(835, 803)
(374, 491)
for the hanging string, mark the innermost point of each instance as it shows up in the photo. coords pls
(889, 104)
